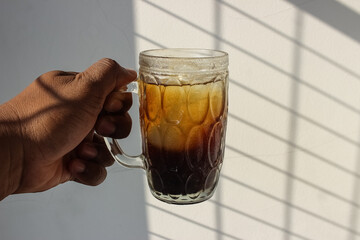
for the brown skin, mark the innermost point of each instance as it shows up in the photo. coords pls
(47, 131)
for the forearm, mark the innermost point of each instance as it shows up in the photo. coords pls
(11, 153)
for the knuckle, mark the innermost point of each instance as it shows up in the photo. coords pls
(108, 161)
(99, 176)
(52, 74)
(56, 77)
(108, 62)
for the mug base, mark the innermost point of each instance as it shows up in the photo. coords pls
(182, 199)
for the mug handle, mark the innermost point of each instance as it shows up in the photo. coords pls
(116, 151)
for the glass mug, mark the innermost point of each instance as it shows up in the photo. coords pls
(183, 97)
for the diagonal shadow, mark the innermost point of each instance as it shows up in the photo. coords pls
(193, 222)
(303, 210)
(62, 101)
(305, 182)
(149, 40)
(259, 59)
(316, 156)
(296, 113)
(341, 18)
(335, 14)
(259, 220)
(294, 40)
(221, 232)
(158, 235)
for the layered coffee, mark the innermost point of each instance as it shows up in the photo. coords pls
(183, 128)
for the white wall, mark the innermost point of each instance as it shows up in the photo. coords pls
(292, 165)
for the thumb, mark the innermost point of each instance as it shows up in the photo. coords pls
(105, 76)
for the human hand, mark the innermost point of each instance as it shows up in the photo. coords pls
(47, 131)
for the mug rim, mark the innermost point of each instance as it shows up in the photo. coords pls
(183, 61)
(192, 53)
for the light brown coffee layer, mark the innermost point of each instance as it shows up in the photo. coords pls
(176, 117)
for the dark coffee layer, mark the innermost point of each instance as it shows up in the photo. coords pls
(181, 172)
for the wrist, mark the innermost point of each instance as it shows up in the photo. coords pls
(11, 150)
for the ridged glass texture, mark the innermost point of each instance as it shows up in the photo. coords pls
(183, 112)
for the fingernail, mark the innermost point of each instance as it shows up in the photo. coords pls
(79, 167)
(106, 128)
(131, 72)
(114, 105)
(89, 151)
